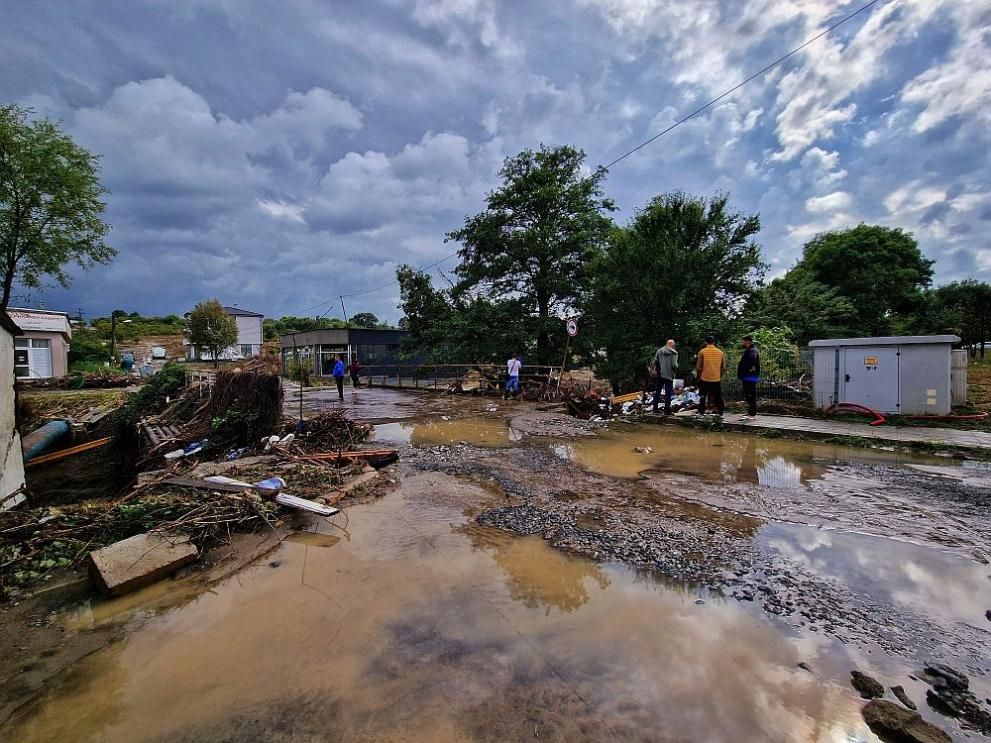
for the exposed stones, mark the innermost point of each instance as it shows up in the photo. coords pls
(896, 724)
(951, 696)
(899, 692)
(868, 686)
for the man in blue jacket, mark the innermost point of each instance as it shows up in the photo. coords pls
(338, 375)
(748, 372)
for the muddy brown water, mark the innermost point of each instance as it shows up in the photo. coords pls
(416, 626)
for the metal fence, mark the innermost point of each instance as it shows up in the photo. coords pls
(443, 376)
(785, 374)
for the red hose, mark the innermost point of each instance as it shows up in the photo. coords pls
(968, 417)
(856, 407)
(879, 419)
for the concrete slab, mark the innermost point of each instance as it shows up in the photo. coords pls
(139, 561)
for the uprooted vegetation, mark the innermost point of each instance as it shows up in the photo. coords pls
(238, 416)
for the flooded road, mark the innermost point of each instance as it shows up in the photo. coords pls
(635, 583)
(418, 626)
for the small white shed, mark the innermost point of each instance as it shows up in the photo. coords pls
(908, 374)
(11, 461)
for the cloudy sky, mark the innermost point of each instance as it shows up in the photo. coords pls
(275, 155)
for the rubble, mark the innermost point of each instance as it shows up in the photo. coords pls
(139, 561)
(893, 723)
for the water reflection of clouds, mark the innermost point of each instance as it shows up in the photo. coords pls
(925, 579)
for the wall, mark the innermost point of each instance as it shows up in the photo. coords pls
(60, 350)
(11, 462)
(823, 376)
(249, 333)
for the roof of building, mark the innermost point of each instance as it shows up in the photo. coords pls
(238, 312)
(9, 325)
(887, 340)
(41, 321)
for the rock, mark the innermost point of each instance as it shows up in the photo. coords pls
(139, 561)
(899, 725)
(899, 692)
(987, 615)
(869, 687)
(954, 679)
(805, 666)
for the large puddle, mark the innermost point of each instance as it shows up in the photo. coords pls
(488, 431)
(629, 451)
(415, 626)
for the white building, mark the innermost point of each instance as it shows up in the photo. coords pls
(42, 348)
(11, 461)
(249, 338)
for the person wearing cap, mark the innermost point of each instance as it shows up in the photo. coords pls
(709, 366)
(748, 372)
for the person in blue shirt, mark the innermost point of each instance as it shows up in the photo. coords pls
(338, 375)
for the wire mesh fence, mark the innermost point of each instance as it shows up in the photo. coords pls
(786, 374)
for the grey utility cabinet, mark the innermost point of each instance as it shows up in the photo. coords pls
(908, 374)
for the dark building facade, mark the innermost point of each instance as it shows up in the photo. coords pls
(319, 348)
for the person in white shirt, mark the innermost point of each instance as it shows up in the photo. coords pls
(513, 367)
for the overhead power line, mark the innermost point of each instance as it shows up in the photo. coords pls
(739, 85)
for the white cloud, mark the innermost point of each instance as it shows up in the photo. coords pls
(829, 203)
(280, 210)
(960, 86)
(914, 197)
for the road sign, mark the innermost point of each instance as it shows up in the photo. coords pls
(572, 328)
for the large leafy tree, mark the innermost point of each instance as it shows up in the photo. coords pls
(535, 239)
(457, 328)
(51, 204)
(962, 307)
(364, 320)
(879, 271)
(807, 307)
(211, 328)
(682, 268)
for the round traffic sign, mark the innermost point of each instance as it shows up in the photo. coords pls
(572, 328)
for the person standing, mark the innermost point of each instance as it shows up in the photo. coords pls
(748, 372)
(354, 369)
(338, 375)
(513, 367)
(710, 366)
(666, 363)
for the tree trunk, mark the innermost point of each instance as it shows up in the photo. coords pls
(8, 284)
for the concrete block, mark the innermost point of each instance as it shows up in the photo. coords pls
(139, 561)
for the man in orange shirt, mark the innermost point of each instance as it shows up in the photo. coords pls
(710, 366)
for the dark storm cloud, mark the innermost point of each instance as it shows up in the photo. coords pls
(278, 154)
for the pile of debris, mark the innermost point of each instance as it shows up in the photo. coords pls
(597, 407)
(80, 381)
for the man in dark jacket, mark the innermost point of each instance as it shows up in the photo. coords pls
(748, 372)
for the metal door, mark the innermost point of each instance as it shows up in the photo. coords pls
(871, 377)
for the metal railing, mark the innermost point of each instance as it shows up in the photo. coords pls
(444, 376)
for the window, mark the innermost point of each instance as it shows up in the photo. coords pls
(246, 351)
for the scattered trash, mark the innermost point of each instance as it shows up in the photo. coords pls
(643, 450)
(274, 485)
(188, 450)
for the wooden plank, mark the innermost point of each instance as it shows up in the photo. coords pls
(68, 452)
(628, 398)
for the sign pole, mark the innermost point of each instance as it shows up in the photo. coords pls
(572, 330)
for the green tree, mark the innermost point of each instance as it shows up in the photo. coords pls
(681, 269)
(809, 308)
(535, 239)
(964, 308)
(879, 270)
(273, 328)
(212, 329)
(51, 204)
(364, 320)
(453, 328)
